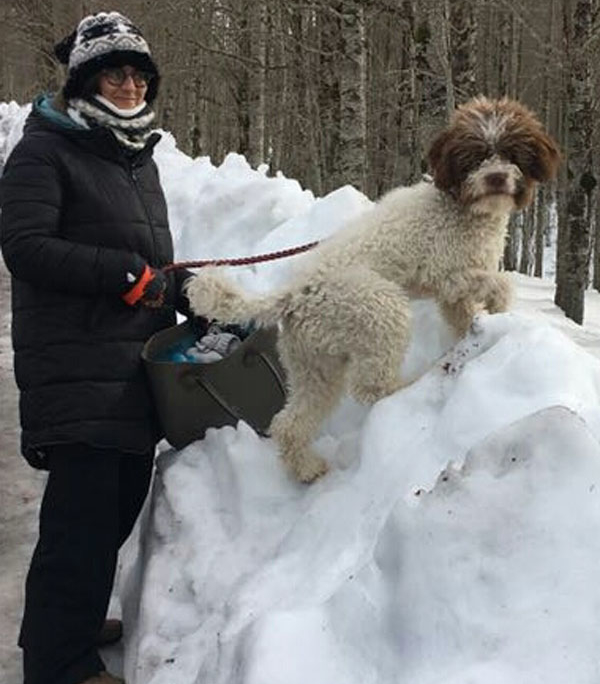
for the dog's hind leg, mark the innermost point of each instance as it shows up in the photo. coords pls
(316, 386)
(373, 379)
(376, 359)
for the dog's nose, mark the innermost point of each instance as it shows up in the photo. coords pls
(496, 180)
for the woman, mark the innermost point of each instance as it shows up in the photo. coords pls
(84, 232)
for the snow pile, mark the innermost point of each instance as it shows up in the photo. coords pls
(12, 118)
(453, 540)
(231, 210)
(450, 540)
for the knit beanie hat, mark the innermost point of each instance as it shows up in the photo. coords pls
(100, 41)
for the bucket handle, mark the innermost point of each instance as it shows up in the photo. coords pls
(274, 370)
(231, 409)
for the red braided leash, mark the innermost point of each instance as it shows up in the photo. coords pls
(241, 261)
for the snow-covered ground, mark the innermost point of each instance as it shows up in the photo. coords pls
(454, 540)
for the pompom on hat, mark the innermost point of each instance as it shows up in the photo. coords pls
(100, 41)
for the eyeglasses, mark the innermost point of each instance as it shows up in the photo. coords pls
(118, 76)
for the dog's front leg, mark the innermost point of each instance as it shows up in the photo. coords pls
(498, 291)
(454, 293)
(462, 295)
(459, 314)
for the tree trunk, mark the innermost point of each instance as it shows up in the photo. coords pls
(576, 228)
(508, 76)
(542, 216)
(328, 97)
(510, 259)
(527, 239)
(444, 18)
(463, 51)
(353, 118)
(413, 99)
(596, 275)
(257, 24)
(544, 195)
(275, 138)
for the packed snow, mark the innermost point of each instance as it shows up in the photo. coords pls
(454, 540)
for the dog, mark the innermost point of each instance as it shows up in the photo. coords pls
(344, 320)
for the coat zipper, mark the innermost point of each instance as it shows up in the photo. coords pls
(134, 178)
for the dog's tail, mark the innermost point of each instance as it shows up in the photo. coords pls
(213, 295)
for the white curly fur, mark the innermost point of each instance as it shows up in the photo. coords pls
(345, 320)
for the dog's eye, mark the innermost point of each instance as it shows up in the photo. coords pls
(467, 159)
(509, 156)
(518, 155)
(528, 163)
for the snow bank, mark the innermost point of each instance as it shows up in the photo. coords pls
(452, 540)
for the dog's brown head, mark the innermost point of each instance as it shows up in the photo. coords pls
(493, 152)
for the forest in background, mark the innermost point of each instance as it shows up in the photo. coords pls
(332, 92)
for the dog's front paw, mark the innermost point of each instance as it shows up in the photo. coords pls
(200, 291)
(477, 326)
(499, 294)
(459, 315)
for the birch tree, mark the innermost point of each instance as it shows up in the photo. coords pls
(413, 99)
(353, 115)
(463, 29)
(575, 229)
(257, 26)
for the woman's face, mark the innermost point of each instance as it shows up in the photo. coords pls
(125, 86)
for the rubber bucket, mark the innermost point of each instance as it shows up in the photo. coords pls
(247, 385)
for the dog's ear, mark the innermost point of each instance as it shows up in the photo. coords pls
(439, 160)
(548, 157)
(525, 141)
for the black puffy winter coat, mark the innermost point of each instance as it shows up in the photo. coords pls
(77, 215)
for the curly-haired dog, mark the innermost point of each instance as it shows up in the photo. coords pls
(345, 320)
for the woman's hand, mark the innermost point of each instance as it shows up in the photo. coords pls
(148, 290)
